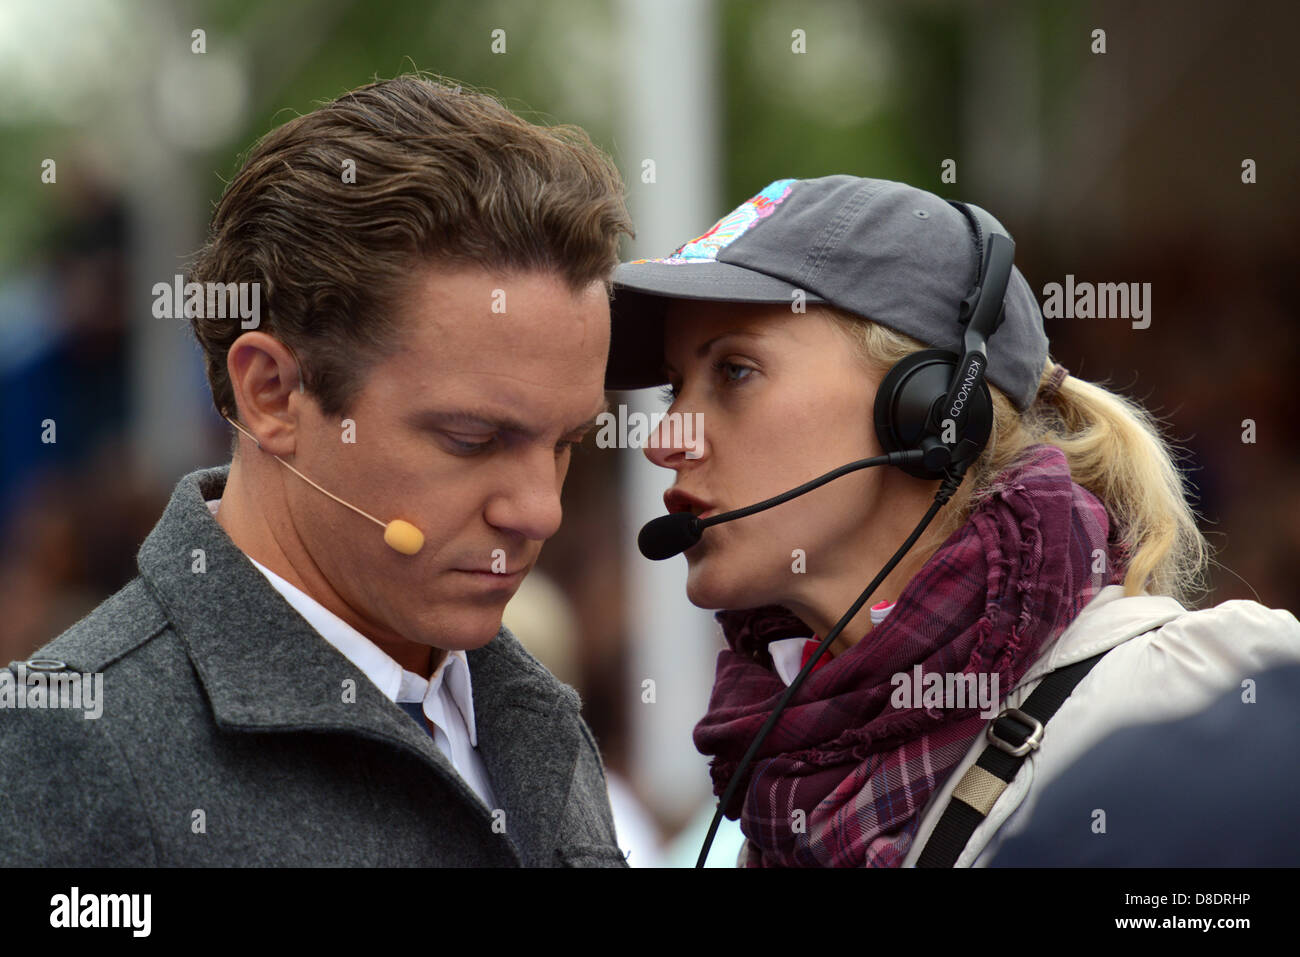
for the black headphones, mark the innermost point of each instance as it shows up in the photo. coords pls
(936, 400)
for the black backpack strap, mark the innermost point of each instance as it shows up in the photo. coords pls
(1013, 734)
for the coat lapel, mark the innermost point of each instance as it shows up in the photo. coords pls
(528, 735)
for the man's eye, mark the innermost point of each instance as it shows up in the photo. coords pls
(668, 395)
(464, 447)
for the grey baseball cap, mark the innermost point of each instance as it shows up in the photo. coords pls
(886, 251)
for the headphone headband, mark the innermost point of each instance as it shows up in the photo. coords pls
(951, 426)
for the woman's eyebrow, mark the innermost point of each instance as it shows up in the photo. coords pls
(702, 349)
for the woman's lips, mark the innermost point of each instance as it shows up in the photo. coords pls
(677, 500)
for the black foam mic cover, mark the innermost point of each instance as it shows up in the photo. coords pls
(669, 535)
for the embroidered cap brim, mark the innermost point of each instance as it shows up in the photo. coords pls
(643, 291)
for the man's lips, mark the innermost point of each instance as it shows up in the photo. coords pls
(488, 577)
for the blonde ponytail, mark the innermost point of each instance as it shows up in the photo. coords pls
(1114, 449)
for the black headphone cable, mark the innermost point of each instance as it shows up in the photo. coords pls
(949, 486)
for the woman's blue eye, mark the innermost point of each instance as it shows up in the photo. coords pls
(724, 367)
(669, 395)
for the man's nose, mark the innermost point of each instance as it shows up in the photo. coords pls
(530, 503)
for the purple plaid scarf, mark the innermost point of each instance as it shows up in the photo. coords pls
(999, 590)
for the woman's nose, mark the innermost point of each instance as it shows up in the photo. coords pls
(677, 438)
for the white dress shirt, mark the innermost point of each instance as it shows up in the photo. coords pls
(447, 696)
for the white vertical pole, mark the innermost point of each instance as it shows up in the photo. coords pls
(168, 396)
(671, 118)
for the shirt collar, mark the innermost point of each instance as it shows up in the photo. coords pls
(787, 653)
(394, 681)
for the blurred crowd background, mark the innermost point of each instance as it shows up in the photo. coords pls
(1122, 166)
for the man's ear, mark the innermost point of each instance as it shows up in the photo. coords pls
(266, 379)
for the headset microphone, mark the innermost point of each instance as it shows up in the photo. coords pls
(670, 535)
(399, 535)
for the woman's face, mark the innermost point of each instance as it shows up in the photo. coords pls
(782, 398)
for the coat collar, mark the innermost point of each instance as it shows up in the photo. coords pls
(264, 668)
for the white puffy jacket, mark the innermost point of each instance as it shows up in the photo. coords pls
(1167, 662)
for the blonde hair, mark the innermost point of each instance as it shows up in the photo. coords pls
(1114, 449)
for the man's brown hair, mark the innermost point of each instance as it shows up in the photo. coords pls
(443, 175)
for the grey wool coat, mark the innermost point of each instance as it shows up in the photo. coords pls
(226, 740)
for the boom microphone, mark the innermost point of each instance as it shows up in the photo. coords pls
(671, 535)
(399, 535)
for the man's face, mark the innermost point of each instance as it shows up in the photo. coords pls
(464, 432)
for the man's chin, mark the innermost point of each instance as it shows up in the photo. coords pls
(464, 628)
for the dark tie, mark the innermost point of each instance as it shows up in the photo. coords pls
(416, 710)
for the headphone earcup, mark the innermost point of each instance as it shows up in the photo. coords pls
(904, 400)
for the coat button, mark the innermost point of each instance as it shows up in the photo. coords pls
(45, 664)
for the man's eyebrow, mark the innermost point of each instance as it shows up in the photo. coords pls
(469, 418)
(703, 348)
(591, 423)
(489, 420)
